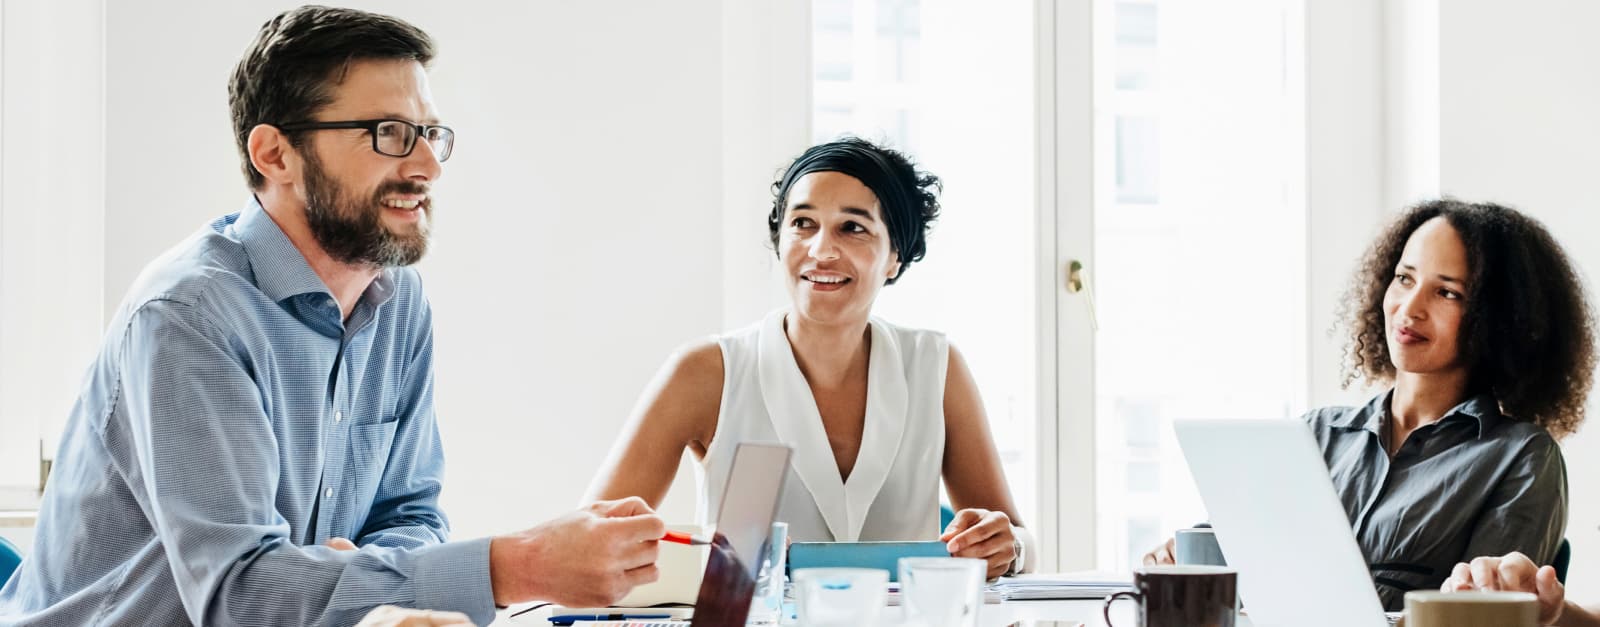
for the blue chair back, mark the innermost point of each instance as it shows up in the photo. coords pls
(10, 558)
(1562, 560)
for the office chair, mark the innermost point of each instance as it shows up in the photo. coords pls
(10, 558)
(1562, 560)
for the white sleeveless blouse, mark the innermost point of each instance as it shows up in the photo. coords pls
(893, 490)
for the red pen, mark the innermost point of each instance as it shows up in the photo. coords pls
(684, 537)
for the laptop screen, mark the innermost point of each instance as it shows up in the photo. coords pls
(744, 524)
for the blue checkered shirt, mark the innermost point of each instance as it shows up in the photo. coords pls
(231, 424)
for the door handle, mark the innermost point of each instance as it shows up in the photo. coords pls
(1078, 283)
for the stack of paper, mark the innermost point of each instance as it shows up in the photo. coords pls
(1081, 585)
(990, 595)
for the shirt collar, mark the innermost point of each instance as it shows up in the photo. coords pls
(1482, 408)
(280, 270)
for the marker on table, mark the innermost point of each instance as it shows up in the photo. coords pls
(684, 537)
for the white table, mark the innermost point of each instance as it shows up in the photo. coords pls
(1035, 613)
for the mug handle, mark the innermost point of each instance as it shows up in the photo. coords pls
(1105, 610)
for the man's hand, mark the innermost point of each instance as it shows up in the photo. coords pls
(589, 558)
(982, 534)
(391, 616)
(341, 544)
(1164, 554)
(1513, 572)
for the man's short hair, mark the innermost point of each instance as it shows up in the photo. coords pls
(288, 72)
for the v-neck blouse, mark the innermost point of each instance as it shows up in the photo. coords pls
(893, 490)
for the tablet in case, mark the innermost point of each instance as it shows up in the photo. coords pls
(881, 555)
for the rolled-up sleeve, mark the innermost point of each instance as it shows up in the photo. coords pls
(190, 433)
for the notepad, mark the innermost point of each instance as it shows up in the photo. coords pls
(880, 555)
(681, 568)
(1081, 585)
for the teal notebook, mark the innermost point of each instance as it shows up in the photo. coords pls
(881, 555)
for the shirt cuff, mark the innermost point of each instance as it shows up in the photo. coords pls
(454, 577)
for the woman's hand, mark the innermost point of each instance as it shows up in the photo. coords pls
(1513, 572)
(985, 535)
(1163, 554)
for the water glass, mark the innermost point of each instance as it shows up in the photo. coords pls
(942, 591)
(840, 597)
(767, 606)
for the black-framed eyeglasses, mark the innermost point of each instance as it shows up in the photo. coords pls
(395, 138)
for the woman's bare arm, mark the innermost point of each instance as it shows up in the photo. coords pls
(677, 410)
(986, 516)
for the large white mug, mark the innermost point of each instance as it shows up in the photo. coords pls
(1432, 608)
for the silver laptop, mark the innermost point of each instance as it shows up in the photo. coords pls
(1280, 523)
(744, 526)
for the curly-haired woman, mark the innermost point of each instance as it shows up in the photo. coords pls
(1476, 321)
(877, 414)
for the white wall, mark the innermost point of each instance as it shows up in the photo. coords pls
(580, 227)
(766, 122)
(50, 221)
(1519, 93)
(1345, 171)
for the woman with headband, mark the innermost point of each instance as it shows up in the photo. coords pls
(877, 414)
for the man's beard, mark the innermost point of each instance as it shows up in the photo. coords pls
(351, 230)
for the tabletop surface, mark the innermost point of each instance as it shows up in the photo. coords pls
(1064, 613)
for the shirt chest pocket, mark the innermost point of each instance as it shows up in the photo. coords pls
(366, 459)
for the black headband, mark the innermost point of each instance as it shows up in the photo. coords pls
(870, 166)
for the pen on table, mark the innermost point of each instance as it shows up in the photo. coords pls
(684, 537)
(568, 619)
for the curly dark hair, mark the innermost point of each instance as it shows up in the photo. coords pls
(908, 197)
(1527, 334)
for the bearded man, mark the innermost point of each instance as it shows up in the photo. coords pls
(255, 442)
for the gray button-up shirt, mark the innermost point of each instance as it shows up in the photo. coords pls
(1474, 483)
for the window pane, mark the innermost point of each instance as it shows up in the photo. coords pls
(1199, 248)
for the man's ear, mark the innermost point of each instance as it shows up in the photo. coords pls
(894, 265)
(272, 155)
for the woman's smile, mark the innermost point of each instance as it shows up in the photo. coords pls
(825, 281)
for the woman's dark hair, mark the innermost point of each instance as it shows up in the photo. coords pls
(908, 197)
(1527, 335)
(287, 73)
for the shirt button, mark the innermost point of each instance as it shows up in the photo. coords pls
(328, 493)
(338, 417)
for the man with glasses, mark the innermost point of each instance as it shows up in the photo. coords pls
(256, 441)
